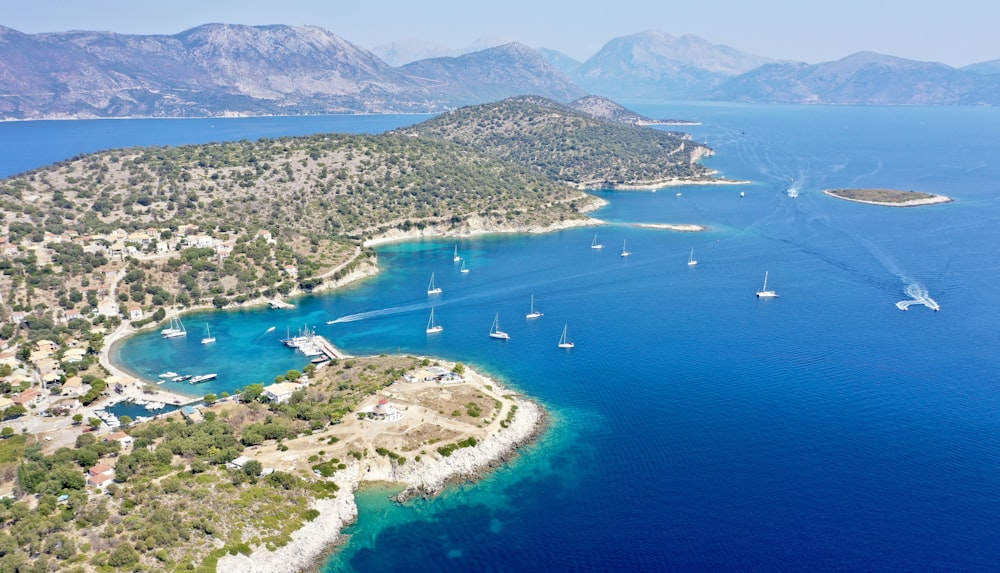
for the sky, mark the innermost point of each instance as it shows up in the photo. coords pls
(954, 32)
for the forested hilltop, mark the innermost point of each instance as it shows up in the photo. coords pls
(569, 145)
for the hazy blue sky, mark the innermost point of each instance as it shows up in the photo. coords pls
(955, 32)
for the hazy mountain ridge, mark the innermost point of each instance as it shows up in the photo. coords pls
(491, 74)
(221, 69)
(653, 65)
(862, 78)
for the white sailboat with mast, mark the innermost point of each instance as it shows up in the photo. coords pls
(463, 269)
(209, 339)
(594, 244)
(431, 327)
(533, 313)
(495, 331)
(175, 330)
(431, 289)
(763, 292)
(691, 260)
(625, 252)
(563, 340)
(456, 258)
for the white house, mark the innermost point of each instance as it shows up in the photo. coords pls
(281, 392)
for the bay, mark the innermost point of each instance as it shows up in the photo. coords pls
(695, 426)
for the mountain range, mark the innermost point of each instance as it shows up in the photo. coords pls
(222, 69)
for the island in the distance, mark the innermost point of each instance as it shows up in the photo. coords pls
(888, 197)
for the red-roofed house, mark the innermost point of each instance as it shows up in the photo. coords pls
(29, 397)
(101, 469)
(122, 438)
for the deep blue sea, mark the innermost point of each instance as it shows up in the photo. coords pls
(694, 427)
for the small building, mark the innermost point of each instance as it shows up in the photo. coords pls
(386, 412)
(122, 438)
(134, 311)
(73, 387)
(28, 398)
(281, 392)
(100, 481)
(101, 469)
(238, 463)
(192, 414)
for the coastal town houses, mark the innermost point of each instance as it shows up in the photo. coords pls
(5, 403)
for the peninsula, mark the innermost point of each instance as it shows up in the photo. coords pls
(887, 197)
(100, 245)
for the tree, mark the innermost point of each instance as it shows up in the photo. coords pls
(125, 420)
(253, 468)
(94, 423)
(77, 419)
(211, 399)
(6, 432)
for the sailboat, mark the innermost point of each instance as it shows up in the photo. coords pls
(534, 313)
(175, 329)
(209, 339)
(563, 341)
(763, 292)
(457, 258)
(431, 327)
(463, 269)
(691, 260)
(431, 289)
(594, 244)
(625, 252)
(495, 331)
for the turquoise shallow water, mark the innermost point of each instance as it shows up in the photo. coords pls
(695, 426)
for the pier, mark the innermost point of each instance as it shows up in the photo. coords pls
(327, 348)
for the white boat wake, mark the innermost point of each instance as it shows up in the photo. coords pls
(918, 295)
(379, 313)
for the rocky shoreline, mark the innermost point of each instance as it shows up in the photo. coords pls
(312, 543)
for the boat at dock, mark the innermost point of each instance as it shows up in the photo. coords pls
(280, 304)
(168, 375)
(495, 331)
(181, 378)
(203, 378)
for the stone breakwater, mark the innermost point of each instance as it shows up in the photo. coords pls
(428, 477)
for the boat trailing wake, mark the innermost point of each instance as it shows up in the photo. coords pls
(918, 295)
(378, 313)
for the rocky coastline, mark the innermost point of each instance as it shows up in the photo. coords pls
(312, 543)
